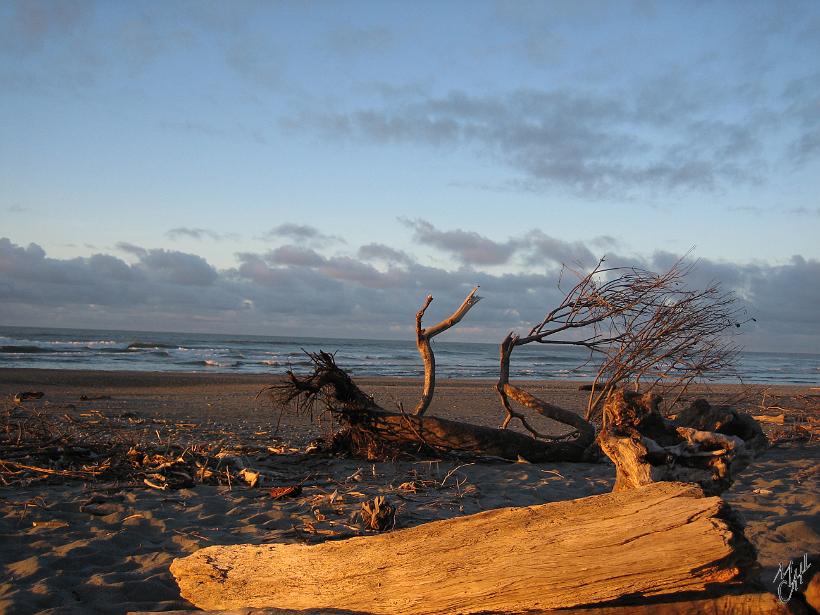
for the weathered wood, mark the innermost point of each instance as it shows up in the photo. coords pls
(379, 430)
(662, 539)
(423, 337)
(371, 431)
(704, 445)
(506, 392)
(742, 604)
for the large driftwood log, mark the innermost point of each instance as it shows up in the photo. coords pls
(370, 431)
(662, 539)
(704, 445)
(384, 434)
(734, 604)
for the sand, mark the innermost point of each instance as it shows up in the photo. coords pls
(74, 546)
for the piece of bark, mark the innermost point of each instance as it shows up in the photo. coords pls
(665, 538)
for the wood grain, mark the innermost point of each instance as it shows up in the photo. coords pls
(665, 538)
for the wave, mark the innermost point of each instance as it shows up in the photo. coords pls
(149, 345)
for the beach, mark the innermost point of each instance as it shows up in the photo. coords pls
(74, 544)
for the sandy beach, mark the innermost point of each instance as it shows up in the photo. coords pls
(77, 545)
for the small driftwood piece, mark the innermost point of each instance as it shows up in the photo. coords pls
(660, 540)
(378, 514)
(705, 445)
(584, 432)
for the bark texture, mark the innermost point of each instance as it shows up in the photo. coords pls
(704, 445)
(740, 604)
(663, 539)
(381, 435)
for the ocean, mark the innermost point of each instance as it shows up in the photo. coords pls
(199, 352)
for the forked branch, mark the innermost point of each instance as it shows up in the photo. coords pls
(423, 337)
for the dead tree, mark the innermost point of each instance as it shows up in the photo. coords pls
(423, 337)
(643, 329)
(370, 431)
(646, 327)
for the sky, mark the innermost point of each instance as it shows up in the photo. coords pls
(317, 168)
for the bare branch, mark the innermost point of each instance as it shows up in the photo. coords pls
(423, 337)
(645, 328)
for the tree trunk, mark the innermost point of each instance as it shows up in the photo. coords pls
(371, 431)
(660, 540)
(382, 435)
(704, 445)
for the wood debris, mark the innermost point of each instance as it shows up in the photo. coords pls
(39, 446)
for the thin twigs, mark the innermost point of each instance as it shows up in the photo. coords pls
(643, 327)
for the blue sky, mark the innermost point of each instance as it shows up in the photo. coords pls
(245, 151)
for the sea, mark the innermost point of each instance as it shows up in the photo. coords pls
(200, 352)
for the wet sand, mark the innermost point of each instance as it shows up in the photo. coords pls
(74, 546)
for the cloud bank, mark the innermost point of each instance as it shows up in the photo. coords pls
(373, 291)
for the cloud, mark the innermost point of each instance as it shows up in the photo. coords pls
(533, 248)
(466, 246)
(257, 60)
(540, 247)
(381, 252)
(170, 265)
(804, 211)
(30, 24)
(199, 234)
(178, 267)
(300, 232)
(669, 134)
(293, 290)
(296, 256)
(130, 248)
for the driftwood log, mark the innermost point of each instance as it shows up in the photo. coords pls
(732, 604)
(704, 444)
(664, 539)
(370, 431)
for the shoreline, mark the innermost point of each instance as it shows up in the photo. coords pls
(79, 376)
(220, 396)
